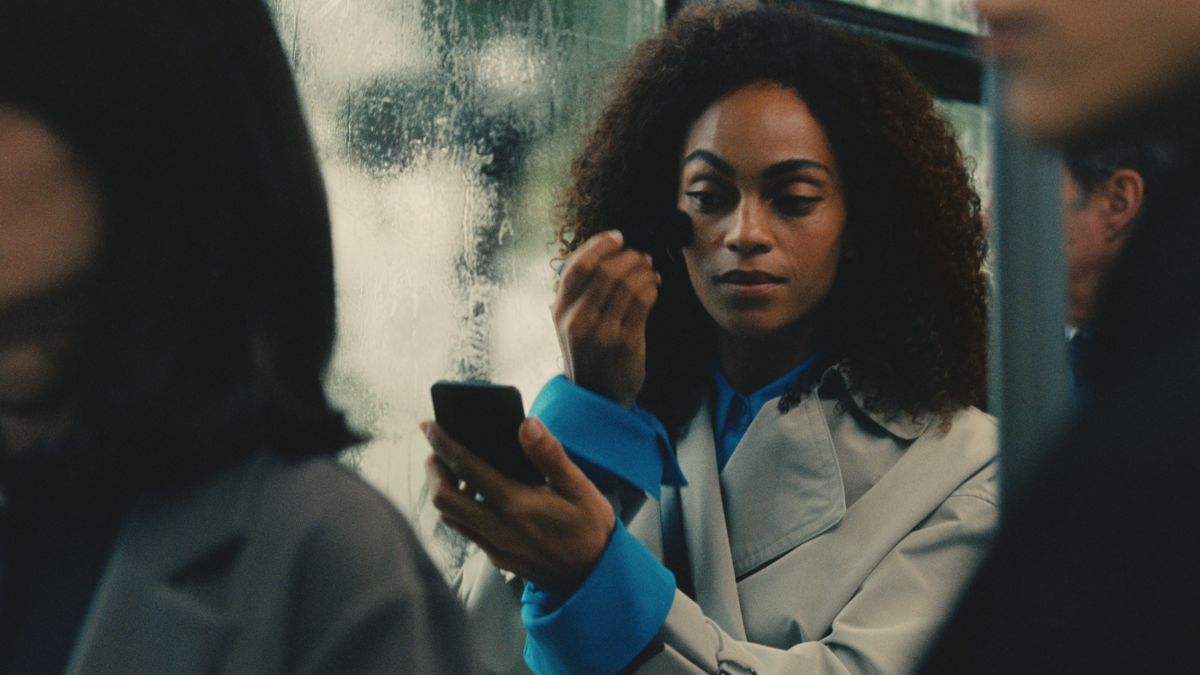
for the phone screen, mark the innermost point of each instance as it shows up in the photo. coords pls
(486, 418)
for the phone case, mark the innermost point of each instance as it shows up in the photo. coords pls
(486, 418)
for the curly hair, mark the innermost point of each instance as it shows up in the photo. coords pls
(907, 310)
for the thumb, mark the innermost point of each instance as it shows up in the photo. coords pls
(547, 454)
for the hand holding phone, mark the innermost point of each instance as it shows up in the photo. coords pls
(485, 419)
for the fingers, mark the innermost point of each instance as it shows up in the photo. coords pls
(584, 262)
(622, 282)
(467, 466)
(449, 498)
(599, 262)
(635, 305)
(552, 534)
(547, 454)
(626, 275)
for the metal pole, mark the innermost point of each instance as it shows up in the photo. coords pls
(1030, 389)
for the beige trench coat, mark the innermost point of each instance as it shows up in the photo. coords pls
(835, 541)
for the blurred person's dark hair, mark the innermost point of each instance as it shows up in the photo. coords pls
(907, 309)
(213, 313)
(1092, 160)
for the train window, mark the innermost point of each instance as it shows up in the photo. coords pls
(956, 14)
(445, 129)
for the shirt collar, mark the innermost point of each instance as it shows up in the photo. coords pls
(724, 394)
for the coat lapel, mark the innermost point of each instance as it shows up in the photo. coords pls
(929, 471)
(145, 615)
(782, 486)
(705, 532)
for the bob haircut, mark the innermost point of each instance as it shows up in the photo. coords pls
(907, 311)
(213, 317)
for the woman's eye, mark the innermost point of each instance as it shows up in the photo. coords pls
(705, 201)
(795, 205)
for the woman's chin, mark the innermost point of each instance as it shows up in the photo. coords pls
(750, 327)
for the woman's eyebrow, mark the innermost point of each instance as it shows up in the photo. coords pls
(712, 160)
(790, 165)
(776, 170)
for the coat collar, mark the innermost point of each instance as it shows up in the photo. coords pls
(781, 456)
(165, 539)
(736, 520)
(901, 425)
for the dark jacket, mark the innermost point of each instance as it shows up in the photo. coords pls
(273, 566)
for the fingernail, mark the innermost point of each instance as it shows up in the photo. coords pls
(427, 429)
(533, 430)
(616, 236)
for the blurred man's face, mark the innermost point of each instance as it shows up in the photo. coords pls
(1087, 255)
(1071, 63)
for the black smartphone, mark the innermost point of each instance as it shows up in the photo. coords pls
(486, 418)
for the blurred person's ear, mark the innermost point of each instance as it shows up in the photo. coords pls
(1122, 195)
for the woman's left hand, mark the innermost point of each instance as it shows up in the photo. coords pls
(550, 534)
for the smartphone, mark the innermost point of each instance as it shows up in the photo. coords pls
(485, 419)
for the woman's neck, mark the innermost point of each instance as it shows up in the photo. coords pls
(750, 363)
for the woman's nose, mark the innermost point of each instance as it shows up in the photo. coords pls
(749, 233)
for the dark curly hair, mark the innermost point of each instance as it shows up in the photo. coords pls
(907, 310)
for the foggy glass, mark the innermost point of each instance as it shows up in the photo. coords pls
(973, 128)
(444, 130)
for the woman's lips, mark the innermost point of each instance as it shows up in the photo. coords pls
(748, 282)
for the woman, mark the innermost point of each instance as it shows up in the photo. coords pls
(171, 501)
(812, 355)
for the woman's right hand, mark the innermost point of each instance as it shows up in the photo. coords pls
(600, 312)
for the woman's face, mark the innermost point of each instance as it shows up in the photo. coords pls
(49, 236)
(759, 180)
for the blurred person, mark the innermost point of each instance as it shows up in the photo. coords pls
(780, 410)
(1107, 188)
(1093, 570)
(169, 495)
(1076, 66)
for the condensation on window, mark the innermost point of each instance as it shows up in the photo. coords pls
(445, 130)
(973, 127)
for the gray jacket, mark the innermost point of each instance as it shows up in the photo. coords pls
(835, 541)
(273, 566)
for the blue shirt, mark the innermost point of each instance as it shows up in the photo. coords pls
(732, 412)
(623, 602)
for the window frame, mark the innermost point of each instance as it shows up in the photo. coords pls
(942, 58)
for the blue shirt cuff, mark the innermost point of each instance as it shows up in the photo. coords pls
(608, 621)
(600, 434)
